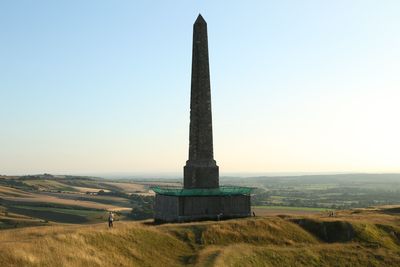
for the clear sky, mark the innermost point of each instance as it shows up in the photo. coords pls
(104, 86)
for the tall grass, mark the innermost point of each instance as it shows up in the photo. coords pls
(268, 241)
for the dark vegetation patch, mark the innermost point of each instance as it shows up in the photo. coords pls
(142, 207)
(104, 201)
(328, 231)
(14, 223)
(395, 210)
(8, 204)
(16, 184)
(191, 234)
(49, 215)
(111, 201)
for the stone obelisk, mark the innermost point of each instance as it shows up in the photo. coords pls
(201, 198)
(201, 170)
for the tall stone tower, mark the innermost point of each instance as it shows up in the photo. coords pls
(201, 170)
(201, 197)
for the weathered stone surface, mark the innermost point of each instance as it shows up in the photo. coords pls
(194, 208)
(201, 170)
(200, 176)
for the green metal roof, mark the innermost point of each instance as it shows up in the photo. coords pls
(221, 191)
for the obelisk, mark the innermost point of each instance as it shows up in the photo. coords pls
(201, 170)
(201, 198)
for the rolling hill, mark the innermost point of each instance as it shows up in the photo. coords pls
(362, 237)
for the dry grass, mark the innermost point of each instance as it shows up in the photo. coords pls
(39, 198)
(269, 230)
(88, 189)
(46, 185)
(267, 241)
(312, 255)
(128, 187)
(70, 198)
(12, 192)
(128, 245)
(276, 211)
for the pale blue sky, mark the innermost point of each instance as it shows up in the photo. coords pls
(103, 86)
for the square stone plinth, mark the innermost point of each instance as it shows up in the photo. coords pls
(170, 208)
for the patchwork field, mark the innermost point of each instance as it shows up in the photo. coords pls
(128, 187)
(47, 199)
(339, 191)
(12, 192)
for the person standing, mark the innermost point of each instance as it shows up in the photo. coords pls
(110, 219)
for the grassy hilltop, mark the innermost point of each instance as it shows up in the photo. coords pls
(364, 237)
(57, 220)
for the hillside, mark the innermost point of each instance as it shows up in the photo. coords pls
(45, 199)
(364, 237)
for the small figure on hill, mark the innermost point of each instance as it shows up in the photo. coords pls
(254, 214)
(110, 219)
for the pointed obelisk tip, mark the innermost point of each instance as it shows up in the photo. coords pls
(200, 19)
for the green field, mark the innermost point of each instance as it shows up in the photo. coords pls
(66, 211)
(49, 185)
(341, 191)
(59, 214)
(47, 198)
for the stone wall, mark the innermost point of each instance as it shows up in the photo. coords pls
(193, 208)
(166, 208)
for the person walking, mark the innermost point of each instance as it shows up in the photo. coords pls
(110, 219)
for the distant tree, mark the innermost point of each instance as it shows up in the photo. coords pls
(142, 207)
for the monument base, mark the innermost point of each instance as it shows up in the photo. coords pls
(207, 204)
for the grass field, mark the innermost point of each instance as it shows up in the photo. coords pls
(353, 238)
(9, 219)
(48, 185)
(128, 187)
(22, 216)
(6, 191)
(87, 189)
(283, 210)
(292, 208)
(39, 198)
(66, 211)
(341, 191)
(47, 199)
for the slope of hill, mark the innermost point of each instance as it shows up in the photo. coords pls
(43, 199)
(351, 238)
